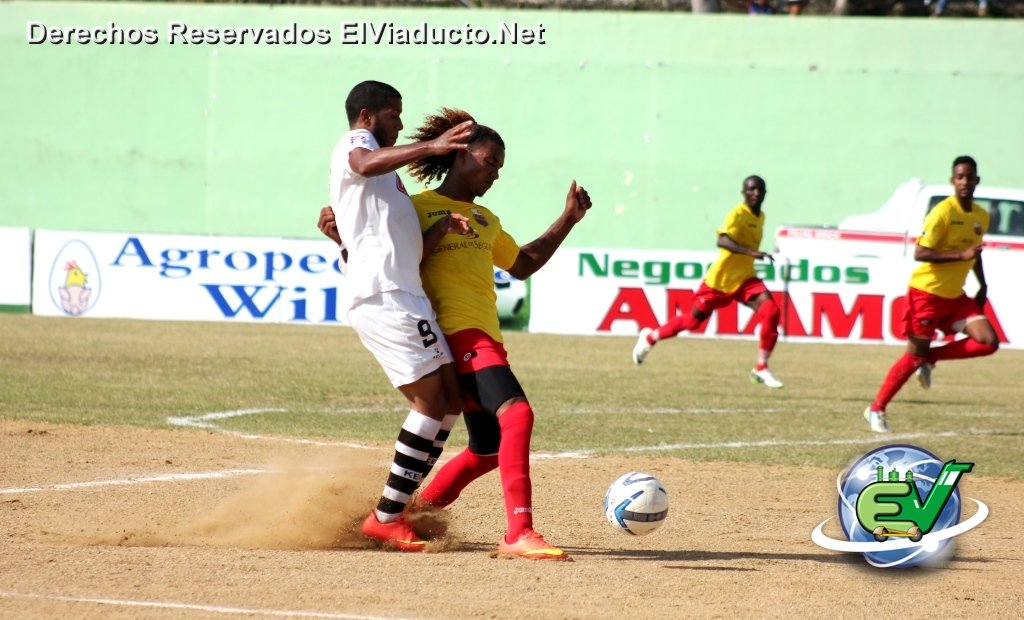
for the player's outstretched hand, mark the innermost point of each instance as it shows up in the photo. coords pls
(971, 253)
(577, 203)
(455, 139)
(456, 224)
(451, 224)
(327, 225)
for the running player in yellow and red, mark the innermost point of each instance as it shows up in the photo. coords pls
(731, 278)
(458, 276)
(949, 248)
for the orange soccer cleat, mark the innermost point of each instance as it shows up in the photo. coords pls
(396, 534)
(531, 546)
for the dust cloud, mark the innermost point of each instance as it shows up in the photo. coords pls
(295, 505)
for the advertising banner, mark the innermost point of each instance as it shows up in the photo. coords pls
(16, 275)
(822, 299)
(191, 278)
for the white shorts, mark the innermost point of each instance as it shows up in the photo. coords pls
(401, 331)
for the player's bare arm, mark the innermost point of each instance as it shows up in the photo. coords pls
(388, 159)
(979, 272)
(536, 253)
(329, 227)
(451, 224)
(728, 243)
(928, 255)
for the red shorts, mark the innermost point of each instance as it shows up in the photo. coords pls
(926, 313)
(486, 380)
(473, 350)
(707, 299)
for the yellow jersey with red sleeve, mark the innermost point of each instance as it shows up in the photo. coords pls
(730, 269)
(458, 276)
(948, 228)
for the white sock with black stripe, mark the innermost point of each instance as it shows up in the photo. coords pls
(412, 453)
(442, 437)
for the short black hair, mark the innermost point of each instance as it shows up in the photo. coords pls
(756, 178)
(965, 159)
(370, 95)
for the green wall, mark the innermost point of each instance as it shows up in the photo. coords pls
(660, 116)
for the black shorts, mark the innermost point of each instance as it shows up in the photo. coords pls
(485, 391)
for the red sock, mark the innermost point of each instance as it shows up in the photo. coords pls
(961, 350)
(898, 375)
(768, 318)
(455, 475)
(514, 464)
(674, 325)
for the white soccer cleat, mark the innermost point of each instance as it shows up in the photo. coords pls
(924, 375)
(642, 347)
(766, 377)
(876, 419)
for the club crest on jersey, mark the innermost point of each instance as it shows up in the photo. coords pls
(479, 217)
(977, 228)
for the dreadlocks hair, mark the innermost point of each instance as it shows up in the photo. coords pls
(436, 167)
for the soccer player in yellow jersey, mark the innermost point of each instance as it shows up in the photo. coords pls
(949, 247)
(458, 277)
(731, 278)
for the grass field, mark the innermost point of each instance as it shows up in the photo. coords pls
(692, 398)
(163, 471)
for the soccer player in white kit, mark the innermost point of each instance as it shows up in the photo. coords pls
(386, 305)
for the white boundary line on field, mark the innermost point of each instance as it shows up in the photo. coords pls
(204, 422)
(277, 613)
(582, 454)
(671, 410)
(202, 475)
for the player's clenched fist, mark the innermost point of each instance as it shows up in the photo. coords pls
(577, 203)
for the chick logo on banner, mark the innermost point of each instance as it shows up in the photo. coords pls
(75, 280)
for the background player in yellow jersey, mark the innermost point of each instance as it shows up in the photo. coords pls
(458, 276)
(731, 278)
(949, 247)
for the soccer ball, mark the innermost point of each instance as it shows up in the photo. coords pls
(636, 504)
(511, 294)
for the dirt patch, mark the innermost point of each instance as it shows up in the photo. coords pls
(226, 523)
